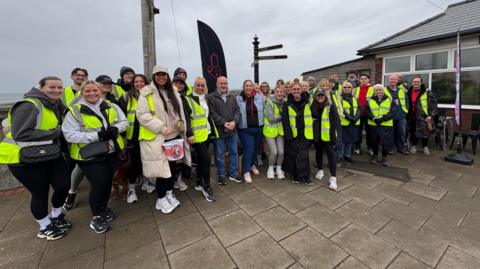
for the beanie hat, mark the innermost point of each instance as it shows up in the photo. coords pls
(178, 71)
(124, 70)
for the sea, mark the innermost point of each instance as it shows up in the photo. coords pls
(10, 97)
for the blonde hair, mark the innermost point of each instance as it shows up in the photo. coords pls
(346, 83)
(323, 82)
(88, 82)
(201, 79)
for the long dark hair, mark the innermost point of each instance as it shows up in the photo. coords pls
(170, 93)
(132, 93)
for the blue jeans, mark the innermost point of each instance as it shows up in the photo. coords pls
(344, 150)
(399, 130)
(219, 145)
(251, 139)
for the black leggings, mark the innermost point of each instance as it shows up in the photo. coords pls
(332, 165)
(363, 125)
(203, 163)
(99, 174)
(166, 184)
(38, 178)
(135, 170)
(413, 138)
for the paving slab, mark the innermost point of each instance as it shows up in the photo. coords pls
(328, 198)
(454, 258)
(455, 187)
(405, 261)
(296, 266)
(131, 212)
(386, 180)
(471, 180)
(20, 246)
(89, 260)
(233, 227)
(222, 206)
(186, 208)
(8, 208)
(207, 253)
(426, 248)
(254, 202)
(305, 188)
(359, 180)
(324, 220)
(363, 216)
(421, 178)
(279, 223)
(427, 191)
(27, 263)
(272, 187)
(306, 245)
(461, 202)
(20, 222)
(399, 211)
(183, 231)
(439, 172)
(293, 200)
(396, 193)
(260, 251)
(472, 221)
(233, 188)
(364, 196)
(151, 255)
(365, 246)
(351, 263)
(441, 212)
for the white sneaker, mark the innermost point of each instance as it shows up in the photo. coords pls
(280, 173)
(131, 197)
(270, 173)
(172, 199)
(426, 151)
(319, 174)
(148, 187)
(254, 170)
(163, 205)
(413, 150)
(247, 177)
(333, 183)
(180, 184)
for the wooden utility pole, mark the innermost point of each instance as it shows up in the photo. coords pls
(148, 35)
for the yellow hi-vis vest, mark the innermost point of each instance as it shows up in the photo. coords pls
(380, 110)
(118, 91)
(131, 114)
(307, 118)
(90, 123)
(401, 97)
(272, 130)
(424, 102)
(46, 120)
(145, 133)
(346, 107)
(198, 120)
(188, 90)
(325, 124)
(68, 95)
(370, 92)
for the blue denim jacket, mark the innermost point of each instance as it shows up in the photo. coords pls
(258, 101)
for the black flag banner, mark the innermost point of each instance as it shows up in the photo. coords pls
(213, 60)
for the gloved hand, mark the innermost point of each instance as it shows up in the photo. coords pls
(378, 121)
(112, 132)
(103, 135)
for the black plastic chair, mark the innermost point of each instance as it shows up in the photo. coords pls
(473, 133)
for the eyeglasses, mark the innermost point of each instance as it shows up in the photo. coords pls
(347, 87)
(200, 85)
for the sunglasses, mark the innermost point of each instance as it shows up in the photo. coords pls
(347, 87)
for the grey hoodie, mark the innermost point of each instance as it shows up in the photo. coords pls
(269, 109)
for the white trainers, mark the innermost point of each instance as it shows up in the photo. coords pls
(147, 186)
(164, 206)
(254, 170)
(426, 151)
(319, 174)
(131, 197)
(413, 150)
(280, 173)
(333, 183)
(180, 184)
(270, 173)
(247, 177)
(172, 199)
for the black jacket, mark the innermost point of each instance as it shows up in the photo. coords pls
(221, 112)
(385, 117)
(299, 109)
(335, 124)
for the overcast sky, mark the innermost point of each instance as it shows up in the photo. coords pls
(51, 37)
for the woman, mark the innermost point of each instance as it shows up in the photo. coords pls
(250, 128)
(256, 89)
(34, 123)
(198, 113)
(265, 89)
(273, 132)
(162, 119)
(422, 109)
(350, 122)
(129, 101)
(90, 125)
(297, 126)
(380, 110)
(325, 85)
(326, 127)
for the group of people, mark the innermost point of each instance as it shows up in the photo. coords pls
(56, 136)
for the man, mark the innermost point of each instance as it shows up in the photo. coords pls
(111, 92)
(311, 84)
(225, 114)
(125, 80)
(337, 87)
(400, 98)
(363, 93)
(78, 75)
(182, 73)
(352, 78)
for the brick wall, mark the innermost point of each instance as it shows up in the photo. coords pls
(366, 64)
(378, 70)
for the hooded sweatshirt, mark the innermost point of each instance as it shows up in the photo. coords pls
(269, 109)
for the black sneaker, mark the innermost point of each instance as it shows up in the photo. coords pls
(237, 179)
(62, 223)
(109, 215)
(208, 193)
(373, 160)
(222, 181)
(99, 224)
(339, 160)
(308, 182)
(295, 181)
(70, 201)
(349, 159)
(51, 232)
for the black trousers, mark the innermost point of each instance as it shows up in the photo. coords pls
(203, 163)
(100, 173)
(135, 170)
(37, 179)
(363, 125)
(166, 184)
(412, 124)
(328, 147)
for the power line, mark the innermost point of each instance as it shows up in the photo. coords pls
(176, 33)
(435, 5)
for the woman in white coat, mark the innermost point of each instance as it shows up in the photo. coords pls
(161, 118)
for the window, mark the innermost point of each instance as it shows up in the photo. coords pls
(431, 61)
(443, 87)
(470, 57)
(407, 80)
(399, 64)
